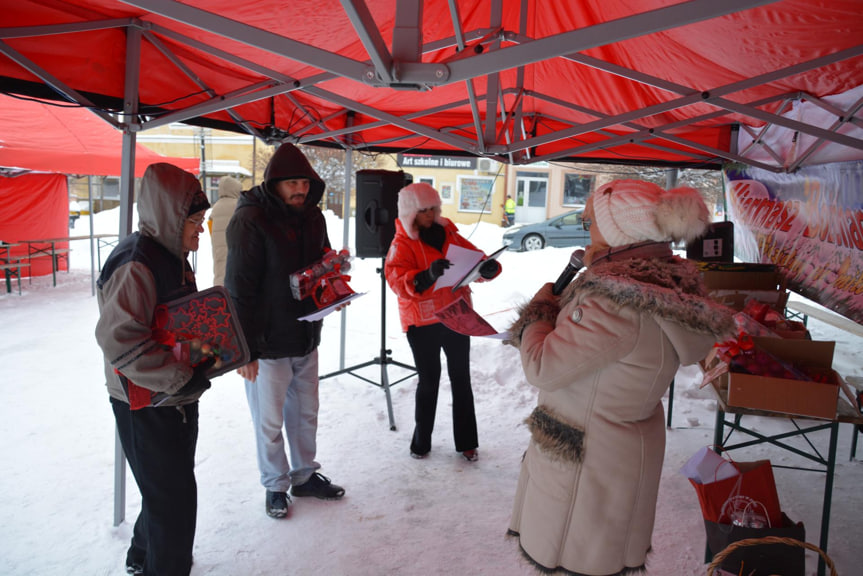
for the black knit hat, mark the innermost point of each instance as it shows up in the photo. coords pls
(199, 202)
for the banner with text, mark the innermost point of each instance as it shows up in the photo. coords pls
(426, 161)
(810, 222)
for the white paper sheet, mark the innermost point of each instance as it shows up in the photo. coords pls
(331, 308)
(462, 260)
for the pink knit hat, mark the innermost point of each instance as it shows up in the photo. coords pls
(631, 211)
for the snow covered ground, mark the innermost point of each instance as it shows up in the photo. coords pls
(400, 516)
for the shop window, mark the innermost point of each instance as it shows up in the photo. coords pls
(576, 189)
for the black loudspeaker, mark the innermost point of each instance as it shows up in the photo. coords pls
(717, 244)
(377, 210)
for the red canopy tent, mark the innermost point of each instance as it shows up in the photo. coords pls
(39, 145)
(64, 139)
(640, 81)
(631, 81)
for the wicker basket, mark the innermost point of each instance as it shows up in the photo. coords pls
(718, 558)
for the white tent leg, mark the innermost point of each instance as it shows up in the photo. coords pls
(119, 480)
(127, 198)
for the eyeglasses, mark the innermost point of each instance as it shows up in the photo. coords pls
(199, 221)
(424, 210)
(585, 223)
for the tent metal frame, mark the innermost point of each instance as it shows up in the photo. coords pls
(504, 135)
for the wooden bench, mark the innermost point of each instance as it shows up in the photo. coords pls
(56, 254)
(807, 310)
(13, 271)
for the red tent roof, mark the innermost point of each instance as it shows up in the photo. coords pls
(642, 81)
(51, 138)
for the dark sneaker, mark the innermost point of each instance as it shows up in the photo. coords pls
(471, 455)
(318, 486)
(418, 456)
(277, 504)
(134, 568)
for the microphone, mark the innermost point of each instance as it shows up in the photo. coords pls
(576, 262)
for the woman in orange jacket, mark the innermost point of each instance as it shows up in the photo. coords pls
(416, 259)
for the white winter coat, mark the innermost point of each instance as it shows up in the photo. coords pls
(586, 495)
(229, 193)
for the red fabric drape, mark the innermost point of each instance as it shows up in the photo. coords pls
(34, 206)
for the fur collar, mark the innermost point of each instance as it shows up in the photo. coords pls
(668, 288)
(671, 289)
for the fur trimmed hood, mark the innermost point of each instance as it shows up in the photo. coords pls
(412, 199)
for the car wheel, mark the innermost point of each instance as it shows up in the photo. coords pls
(532, 242)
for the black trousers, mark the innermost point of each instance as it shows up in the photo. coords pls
(426, 343)
(160, 446)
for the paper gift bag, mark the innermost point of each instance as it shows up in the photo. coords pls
(747, 499)
(763, 559)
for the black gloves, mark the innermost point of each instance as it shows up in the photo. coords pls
(424, 280)
(199, 381)
(489, 269)
(437, 268)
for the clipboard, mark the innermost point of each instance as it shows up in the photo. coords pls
(473, 273)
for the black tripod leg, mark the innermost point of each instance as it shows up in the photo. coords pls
(383, 359)
(385, 384)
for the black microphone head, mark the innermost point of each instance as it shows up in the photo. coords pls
(577, 259)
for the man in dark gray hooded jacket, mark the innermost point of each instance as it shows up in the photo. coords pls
(148, 268)
(277, 229)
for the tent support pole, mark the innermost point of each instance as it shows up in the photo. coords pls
(92, 256)
(119, 480)
(127, 197)
(346, 227)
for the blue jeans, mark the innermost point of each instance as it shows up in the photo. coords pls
(285, 395)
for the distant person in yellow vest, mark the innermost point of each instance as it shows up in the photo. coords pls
(229, 192)
(509, 211)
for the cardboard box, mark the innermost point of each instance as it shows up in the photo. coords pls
(733, 284)
(798, 397)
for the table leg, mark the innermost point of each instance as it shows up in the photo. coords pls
(54, 264)
(670, 403)
(718, 431)
(718, 428)
(855, 430)
(828, 495)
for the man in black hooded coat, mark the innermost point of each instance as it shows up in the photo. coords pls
(276, 230)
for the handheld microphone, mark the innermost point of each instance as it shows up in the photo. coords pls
(576, 262)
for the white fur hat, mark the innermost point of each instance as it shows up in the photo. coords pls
(631, 211)
(412, 199)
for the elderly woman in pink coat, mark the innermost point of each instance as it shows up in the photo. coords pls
(602, 355)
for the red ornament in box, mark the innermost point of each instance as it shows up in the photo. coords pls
(743, 356)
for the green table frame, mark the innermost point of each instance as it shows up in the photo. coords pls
(825, 464)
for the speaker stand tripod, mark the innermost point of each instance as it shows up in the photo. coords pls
(383, 360)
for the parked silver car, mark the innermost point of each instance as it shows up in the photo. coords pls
(562, 231)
